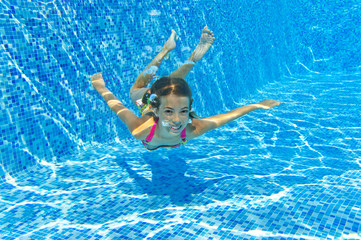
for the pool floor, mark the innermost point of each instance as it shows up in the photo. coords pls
(289, 173)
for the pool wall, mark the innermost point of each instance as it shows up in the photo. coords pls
(49, 50)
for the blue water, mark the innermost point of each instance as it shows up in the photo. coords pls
(71, 170)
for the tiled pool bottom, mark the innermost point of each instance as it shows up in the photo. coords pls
(290, 173)
(327, 209)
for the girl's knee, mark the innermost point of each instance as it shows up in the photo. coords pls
(137, 93)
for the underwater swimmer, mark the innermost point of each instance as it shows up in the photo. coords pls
(167, 117)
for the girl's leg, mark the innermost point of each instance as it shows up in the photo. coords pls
(149, 72)
(206, 41)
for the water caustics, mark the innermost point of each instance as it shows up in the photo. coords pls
(70, 169)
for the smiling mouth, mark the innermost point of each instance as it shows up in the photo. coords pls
(174, 128)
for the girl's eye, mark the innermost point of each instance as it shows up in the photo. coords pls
(168, 111)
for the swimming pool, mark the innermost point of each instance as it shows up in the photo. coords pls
(70, 170)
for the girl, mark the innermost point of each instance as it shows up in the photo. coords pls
(167, 117)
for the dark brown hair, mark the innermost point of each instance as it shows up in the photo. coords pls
(168, 85)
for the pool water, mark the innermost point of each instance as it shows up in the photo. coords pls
(289, 173)
(70, 169)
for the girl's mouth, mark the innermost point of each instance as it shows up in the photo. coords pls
(175, 128)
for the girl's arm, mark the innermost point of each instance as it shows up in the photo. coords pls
(127, 116)
(204, 125)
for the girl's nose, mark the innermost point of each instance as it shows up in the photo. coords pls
(176, 118)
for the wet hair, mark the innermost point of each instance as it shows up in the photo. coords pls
(165, 86)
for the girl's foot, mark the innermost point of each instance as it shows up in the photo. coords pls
(206, 41)
(170, 44)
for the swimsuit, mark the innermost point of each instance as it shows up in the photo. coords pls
(143, 108)
(151, 134)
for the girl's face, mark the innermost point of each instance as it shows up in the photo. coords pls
(173, 113)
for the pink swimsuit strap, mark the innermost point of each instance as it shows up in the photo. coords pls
(151, 133)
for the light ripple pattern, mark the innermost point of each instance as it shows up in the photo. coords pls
(288, 173)
(69, 169)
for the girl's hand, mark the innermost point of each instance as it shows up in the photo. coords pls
(267, 104)
(97, 80)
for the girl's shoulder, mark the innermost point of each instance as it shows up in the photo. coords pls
(192, 129)
(143, 130)
(198, 127)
